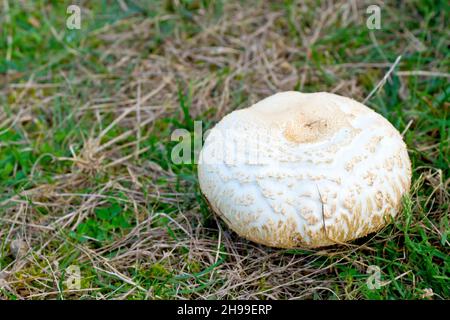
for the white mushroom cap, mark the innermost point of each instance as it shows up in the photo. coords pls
(304, 170)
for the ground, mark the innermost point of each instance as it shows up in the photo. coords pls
(87, 185)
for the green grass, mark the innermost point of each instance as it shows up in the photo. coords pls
(74, 191)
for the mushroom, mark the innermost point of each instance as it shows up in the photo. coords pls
(304, 170)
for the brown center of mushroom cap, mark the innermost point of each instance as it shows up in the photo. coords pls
(314, 127)
(303, 118)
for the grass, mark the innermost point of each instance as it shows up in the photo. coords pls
(85, 124)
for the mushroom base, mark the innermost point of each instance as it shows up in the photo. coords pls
(286, 236)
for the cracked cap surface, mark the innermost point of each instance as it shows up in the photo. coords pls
(304, 170)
